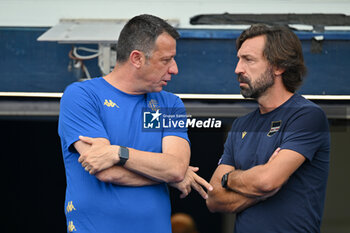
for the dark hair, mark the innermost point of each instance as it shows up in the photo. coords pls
(282, 50)
(140, 33)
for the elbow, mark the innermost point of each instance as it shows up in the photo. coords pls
(266, 188)
(177, 173)
(217, 207)
(176, 177)
(211, 205)
(104, 176)
(268, 185)
(214, 205)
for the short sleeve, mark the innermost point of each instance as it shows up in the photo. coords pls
(228, 155)
(307, 132)
(79, 115)
(175, 120)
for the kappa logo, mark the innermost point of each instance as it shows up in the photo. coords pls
(110, 103)
(275, 126)
(70, 207)
(243, 134)
(71, 227)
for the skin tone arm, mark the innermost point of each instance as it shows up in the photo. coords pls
(168, 166)
(115, 174)
(223, 200)
(100, 152)
(253, 185)
(267, 178)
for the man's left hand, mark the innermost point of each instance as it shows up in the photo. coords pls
(192, 180)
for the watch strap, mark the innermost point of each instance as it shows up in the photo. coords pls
(224, 180)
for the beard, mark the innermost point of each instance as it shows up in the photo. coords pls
(257, 88)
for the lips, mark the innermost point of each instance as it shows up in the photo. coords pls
(165, 82)
(243, 80)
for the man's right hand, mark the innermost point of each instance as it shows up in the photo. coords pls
(99, 156)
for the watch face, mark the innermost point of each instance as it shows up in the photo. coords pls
(224, 181)
(123, 155)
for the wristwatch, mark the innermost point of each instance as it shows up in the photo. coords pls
(224, 180)
(123, 155)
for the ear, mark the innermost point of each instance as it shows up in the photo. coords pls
(278, 71)
(137, 58)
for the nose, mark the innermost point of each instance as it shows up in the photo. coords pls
(239, 67)
(173, 68)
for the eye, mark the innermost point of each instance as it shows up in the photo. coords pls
(248, 59)
(166, 61)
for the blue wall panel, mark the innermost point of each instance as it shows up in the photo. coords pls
(206, 60)
(328, 71)
(205, 66)
(27, 65)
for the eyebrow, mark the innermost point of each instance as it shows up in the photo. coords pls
(245, 56)
(168, 57)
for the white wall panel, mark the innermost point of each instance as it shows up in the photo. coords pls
(48, 12)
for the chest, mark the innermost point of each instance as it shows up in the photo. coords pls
(256, 141)
(123, 120)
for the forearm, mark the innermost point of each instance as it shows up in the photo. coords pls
(253, 182)
(121, 176)
(162, 167)
(222, 200)
(227, 201)
(265, 180)
(169, 166)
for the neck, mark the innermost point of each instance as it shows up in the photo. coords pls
(274, 97)
(123, 78)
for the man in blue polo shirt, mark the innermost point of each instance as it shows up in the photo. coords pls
(274, 169)
(118, 160)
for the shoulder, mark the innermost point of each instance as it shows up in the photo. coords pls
(246, 119)
(84, 85)
(82, 92)
(303, 106)
(306, 114)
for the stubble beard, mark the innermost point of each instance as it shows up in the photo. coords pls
(258, 88)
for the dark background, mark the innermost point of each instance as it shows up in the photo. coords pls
(34, 177)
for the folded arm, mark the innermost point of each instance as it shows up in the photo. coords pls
(223, 200)
(114, 174)
(169, 166)
(248, 187)
(264, 179)
(143, 168)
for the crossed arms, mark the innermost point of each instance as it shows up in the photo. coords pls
(99, 157)
(251, 186)
(246, 188)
